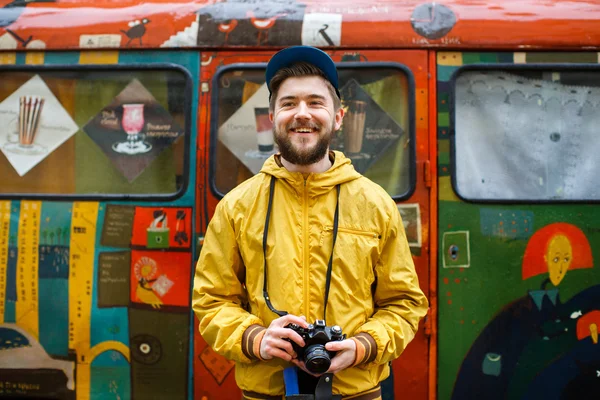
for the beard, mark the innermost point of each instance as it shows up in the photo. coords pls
(305, 156)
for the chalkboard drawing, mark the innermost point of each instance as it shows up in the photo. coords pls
(133, 122)
(158, 231)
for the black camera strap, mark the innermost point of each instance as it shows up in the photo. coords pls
(329, 266)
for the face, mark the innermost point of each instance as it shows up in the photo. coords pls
(558, 258)
(304, 119)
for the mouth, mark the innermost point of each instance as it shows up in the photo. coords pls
(304, 130)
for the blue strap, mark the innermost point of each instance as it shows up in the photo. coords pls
(290, 379)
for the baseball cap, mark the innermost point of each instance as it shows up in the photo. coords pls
(308, 54)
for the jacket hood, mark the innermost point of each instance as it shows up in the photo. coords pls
(340, 172)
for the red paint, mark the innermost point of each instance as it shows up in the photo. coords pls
(534, 262)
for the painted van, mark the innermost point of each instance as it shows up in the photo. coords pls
(124, 124)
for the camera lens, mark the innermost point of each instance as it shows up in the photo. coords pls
(317, 359)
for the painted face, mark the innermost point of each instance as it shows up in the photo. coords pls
(304, 119)
(558, 258)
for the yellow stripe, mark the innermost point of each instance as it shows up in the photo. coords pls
(81, 275)
(27, 313)
(34, 58)
(8, 58)
(98, 57)
(4, 237)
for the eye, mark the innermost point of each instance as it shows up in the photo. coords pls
(555, 259)
(567, 259)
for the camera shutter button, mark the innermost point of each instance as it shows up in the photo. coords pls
(336, 329)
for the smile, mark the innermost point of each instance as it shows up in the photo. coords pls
(303, 130)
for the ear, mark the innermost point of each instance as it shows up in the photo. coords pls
(271, 115)
(339, 116)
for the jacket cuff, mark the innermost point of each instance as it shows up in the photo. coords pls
(251, 341)
(366, 348)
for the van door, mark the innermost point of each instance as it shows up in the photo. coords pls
(387, 141)
(518, 193)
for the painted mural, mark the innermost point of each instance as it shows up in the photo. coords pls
(519, 283)
(95, 300)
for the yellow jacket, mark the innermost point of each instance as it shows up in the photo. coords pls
(374, 293)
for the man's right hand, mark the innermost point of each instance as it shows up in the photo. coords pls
(274, 343)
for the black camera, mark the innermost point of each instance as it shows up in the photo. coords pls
(316, 358)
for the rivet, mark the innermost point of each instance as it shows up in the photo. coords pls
(327, 379)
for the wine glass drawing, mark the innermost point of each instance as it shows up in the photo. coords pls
(132, 123)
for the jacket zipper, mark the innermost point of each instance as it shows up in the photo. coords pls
(306, 259)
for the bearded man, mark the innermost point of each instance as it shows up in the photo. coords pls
(307, 239)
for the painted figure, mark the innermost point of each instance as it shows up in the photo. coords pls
(528, 333)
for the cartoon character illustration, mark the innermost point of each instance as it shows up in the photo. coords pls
(11, 12)
(150, 288)
(136, 30)
(515, 342)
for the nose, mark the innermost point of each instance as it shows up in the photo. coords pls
(302, 111)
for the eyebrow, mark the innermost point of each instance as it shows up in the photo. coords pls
(311, 96)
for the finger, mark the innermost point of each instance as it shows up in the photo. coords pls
(293, 319)
(275, 352)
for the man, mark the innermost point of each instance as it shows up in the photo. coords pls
(334, 249)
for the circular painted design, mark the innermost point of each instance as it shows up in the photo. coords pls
(432, 20)
(146, 349)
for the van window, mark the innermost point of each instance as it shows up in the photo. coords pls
(376, 133)
(93, 131)
(527, 134)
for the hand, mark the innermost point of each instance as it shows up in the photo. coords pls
(274, 343)
(345, 357)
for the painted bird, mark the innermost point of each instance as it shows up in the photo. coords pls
(136, 30)
(10, 12)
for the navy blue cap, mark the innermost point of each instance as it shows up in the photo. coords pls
(311, 55)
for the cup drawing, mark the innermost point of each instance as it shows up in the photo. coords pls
(22, 141)
(354, 126)
(264, 130)
(158, 231)
(132, 123)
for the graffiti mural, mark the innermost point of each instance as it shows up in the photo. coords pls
(91, 306)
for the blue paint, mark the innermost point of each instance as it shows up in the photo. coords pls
(11, 268)
(54, 316)
(110, 377)
(445, 72)
(52, 58)
(106, 323)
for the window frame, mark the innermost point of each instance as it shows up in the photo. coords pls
(509, 68)
(130, 67)
(411, 131)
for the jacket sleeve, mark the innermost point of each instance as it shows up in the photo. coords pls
(219, 293)
(398, 299)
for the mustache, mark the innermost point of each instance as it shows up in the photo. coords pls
(310, 125)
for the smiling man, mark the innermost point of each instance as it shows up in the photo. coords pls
(305, 270)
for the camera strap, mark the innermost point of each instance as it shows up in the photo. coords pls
(329, 266)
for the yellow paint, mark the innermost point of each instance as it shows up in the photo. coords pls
(81, 275)
(34, 58)
(520, 58)
(594, 333)
(84, 366)
(558, 257)
(445, 191)
(98, 57)
(27, 312)
(4, 242)
(450, 58)
(8, 58)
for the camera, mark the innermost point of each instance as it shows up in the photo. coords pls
(316, 358)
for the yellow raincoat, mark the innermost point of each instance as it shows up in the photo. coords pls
(374, 288)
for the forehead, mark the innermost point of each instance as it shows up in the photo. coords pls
(304, 86)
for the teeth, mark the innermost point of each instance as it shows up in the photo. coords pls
(304, 130)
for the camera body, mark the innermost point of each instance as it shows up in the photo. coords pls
(316, 358)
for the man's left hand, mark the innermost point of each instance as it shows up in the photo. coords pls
(345, 357)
